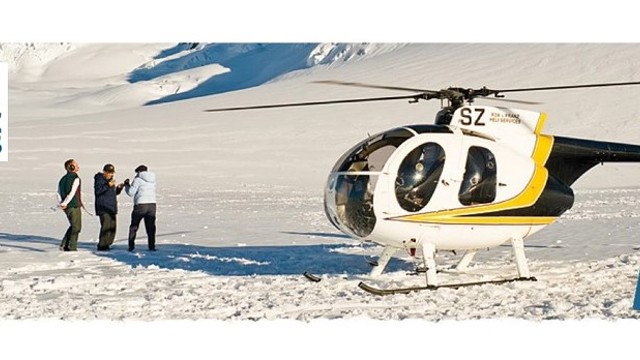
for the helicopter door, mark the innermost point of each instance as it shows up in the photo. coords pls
(418, 176)
(479, 182)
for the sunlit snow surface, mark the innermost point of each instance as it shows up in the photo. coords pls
(586, 265)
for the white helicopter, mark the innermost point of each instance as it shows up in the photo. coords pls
(480, 177)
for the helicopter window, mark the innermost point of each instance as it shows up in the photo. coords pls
(418, 176)
(479, 180)
(373, 153)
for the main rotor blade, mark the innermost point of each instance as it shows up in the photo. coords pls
(569, 87)
(510, 100)
(414, 97)
(357, 84)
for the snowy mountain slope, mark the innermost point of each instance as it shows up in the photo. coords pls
(278, 143)
(64, 79)
(232, 183)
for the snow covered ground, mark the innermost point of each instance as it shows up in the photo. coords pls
(240, 194)
(226, 268)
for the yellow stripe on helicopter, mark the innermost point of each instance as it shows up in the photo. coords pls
(437, 218)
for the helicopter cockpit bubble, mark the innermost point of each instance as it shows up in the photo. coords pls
(349, 193)
(374, 151)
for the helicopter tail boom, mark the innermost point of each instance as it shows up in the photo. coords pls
(570, 158)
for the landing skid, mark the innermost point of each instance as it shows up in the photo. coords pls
(311, 277)
(378, 291)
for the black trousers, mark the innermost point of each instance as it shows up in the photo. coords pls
(148, 213)
(107, 231)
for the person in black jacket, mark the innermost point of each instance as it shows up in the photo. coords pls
(106, 192)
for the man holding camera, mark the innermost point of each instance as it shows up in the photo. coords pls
(106, 192)
(143, 191)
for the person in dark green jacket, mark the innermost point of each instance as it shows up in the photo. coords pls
(70, 201)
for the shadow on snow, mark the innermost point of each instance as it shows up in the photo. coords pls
(226, 261)
(251, 260)
(250, 64)
(20, 241)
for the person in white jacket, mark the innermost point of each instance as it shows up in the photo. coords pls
(143, 191)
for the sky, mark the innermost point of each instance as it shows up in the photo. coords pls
(329, 20)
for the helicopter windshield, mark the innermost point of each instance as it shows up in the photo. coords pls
(372, 153)
(349, 193)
